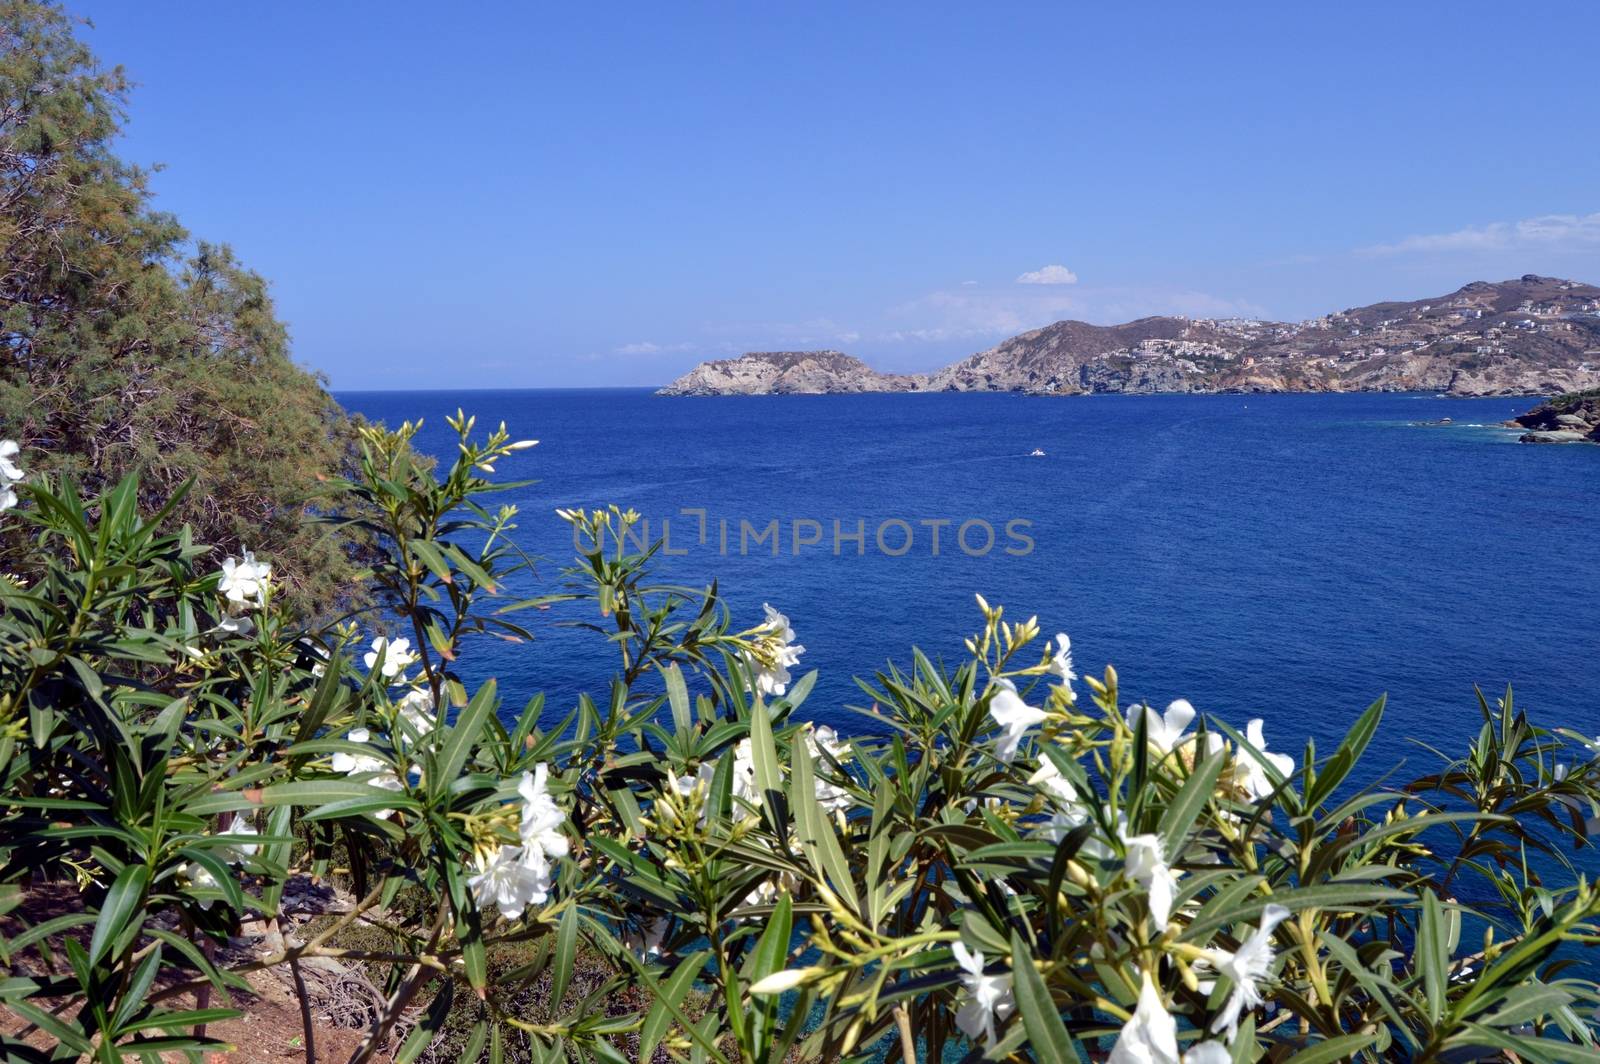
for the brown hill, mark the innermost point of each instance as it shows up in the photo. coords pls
(1529, 336)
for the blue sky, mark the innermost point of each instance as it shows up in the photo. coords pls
(540, 195)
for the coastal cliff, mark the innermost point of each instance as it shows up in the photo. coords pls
(1529, 336)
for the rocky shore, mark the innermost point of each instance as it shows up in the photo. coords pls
(1571, 418)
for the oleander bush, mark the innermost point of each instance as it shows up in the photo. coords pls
(1008, 862)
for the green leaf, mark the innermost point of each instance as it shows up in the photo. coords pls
(769, 779)
(431, 557)
(771, 951)
(1344, 1047)
(67, 1034)
(1526, 1003)
(1348, 753)
(1047, 1035)
(1338, 897)
(1431, 957)
(429, 1026)
(468, 726)
(472, 1052)
(1190, 800)
(815, 830)
(125, 898)
(565, 951)
(670, 996)
(678, 697)
(186, 1018)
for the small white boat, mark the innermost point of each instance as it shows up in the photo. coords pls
(1036, 453)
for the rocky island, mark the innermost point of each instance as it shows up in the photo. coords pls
(789, 373)
(1529, 336)
(1571, 418)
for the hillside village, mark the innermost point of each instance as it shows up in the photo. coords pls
(1530, 336)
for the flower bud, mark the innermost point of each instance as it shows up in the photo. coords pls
(788, 979)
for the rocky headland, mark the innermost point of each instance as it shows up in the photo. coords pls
(1529, 336)
(1571, 418)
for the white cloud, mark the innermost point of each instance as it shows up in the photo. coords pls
(1546, 231)
(1055, 274)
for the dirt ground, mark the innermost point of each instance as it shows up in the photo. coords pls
(269, 1030)
(270, 1027)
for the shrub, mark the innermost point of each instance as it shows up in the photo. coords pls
(1008, 863)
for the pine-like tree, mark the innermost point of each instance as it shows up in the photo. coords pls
(125, 346)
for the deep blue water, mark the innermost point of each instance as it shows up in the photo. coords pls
(1284, 556)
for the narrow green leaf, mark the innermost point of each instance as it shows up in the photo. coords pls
(1047, 1035)
(1431, 956)
(468, 726)
(123, 899)
(670, 996)
(1190, 800)
(1344, 1047)
(769, 778)
(566, 950)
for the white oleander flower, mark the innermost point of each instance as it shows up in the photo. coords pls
(542, 818)
(416, 713)
(244, 580)
(237, 853)
(351, 763)
(1061, 661)
(200, 878)
(1208, 1053)
(1165, 731)
(684, 786)
(744, 773)
(1070, 812)
(397, 656)
(985, 999)
(1145, 862)
(1050, 778)
(236, 624)
(510, 880)
(9, 449)
(743, 781)
(775, 652)
(1250, 768)
(1244, 968)
(358, 764)
(830, 796)
(1015, 717)
(10, 474)
(1151, 1034)
(766, 891)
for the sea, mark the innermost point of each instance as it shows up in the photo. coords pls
(1288, 557)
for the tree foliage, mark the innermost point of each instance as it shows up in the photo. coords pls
(124, 347)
